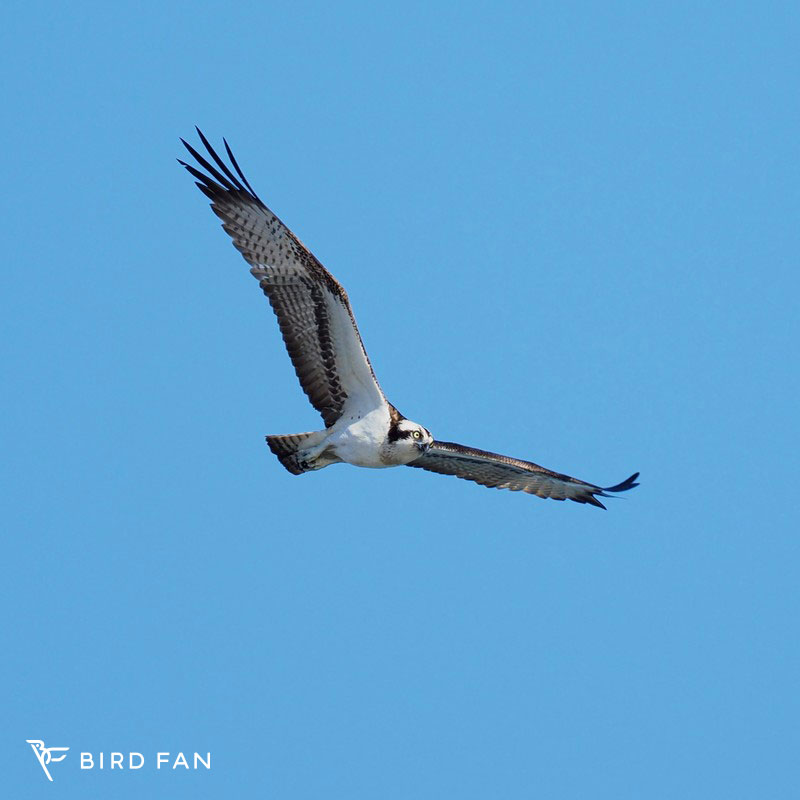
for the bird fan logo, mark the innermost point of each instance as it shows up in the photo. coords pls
(47, 755)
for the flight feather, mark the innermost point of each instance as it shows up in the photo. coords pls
(313, 311)
(503, 472)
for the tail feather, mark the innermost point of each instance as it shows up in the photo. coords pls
(286, 447)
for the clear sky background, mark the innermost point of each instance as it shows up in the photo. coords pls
(569, 232)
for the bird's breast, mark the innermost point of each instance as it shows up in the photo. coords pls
(362, 441)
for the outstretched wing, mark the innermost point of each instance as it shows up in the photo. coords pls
(502, 472)
(313, 311)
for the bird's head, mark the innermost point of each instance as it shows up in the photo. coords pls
(409, 440)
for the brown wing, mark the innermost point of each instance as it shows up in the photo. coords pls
(502, 472)
(313, 311)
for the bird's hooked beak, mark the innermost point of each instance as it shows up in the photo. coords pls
(423, 447)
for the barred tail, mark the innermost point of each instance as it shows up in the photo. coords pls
(286, 447)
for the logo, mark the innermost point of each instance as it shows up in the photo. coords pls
(45, 754)
(160, 761)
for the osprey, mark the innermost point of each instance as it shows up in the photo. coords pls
(361, 426)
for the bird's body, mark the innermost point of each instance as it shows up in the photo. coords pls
(363, 441)
(320, 332)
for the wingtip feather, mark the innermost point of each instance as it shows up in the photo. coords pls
(624, 486)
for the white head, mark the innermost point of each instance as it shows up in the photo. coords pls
(407, 441)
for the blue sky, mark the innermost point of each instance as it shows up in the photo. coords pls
(569, 232)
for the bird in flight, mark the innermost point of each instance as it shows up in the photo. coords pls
(315, 318)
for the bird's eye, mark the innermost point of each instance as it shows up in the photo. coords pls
(416, 434)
